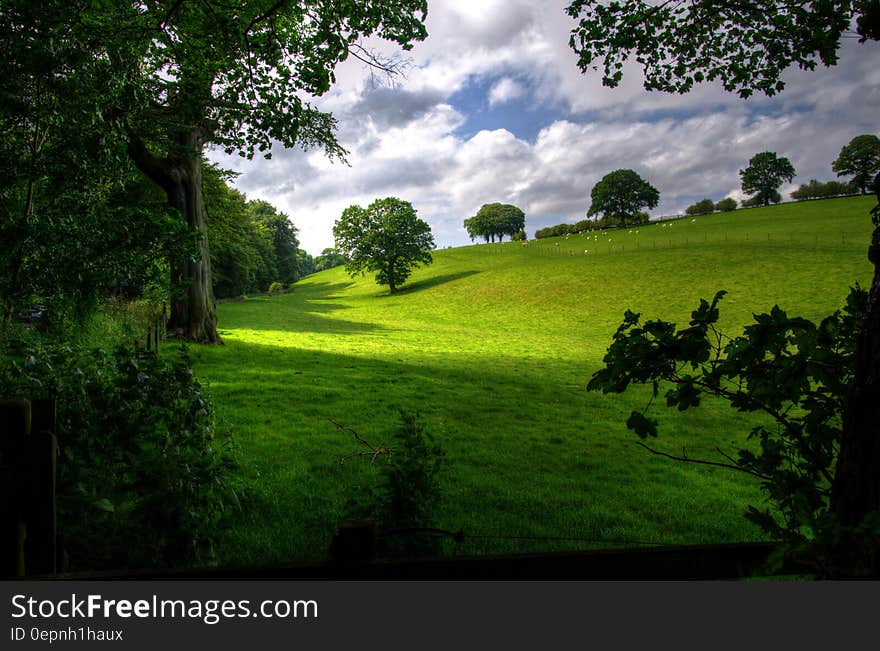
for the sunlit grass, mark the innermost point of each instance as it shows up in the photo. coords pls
(494, 345)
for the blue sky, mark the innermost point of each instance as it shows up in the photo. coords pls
(492, 108)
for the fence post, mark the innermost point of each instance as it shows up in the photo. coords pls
(40, 519)
(28, 458)
(15, 421)
(354, 542)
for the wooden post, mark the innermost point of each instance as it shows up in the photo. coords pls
(15, 422)
(354, 542)
(40, 517)
(28, 464)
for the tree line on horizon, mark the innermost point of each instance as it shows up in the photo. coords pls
(619, 197)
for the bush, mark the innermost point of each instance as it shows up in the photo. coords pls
(726, 205)
(142, 479)
(276, 287)
(703, 207)
(519, 236)
(407, 493)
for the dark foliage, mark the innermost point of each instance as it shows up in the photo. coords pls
(793, 371)
(142, 475)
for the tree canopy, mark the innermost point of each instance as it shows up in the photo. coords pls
(495, 219)
(764, 175)
(703, 207)
(165, 78)
(859, 159)
(726, 205)
(744, 45)
(621, 195)
(387, 237)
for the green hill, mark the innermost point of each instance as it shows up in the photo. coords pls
(494, 345)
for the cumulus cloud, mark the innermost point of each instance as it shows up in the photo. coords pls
(505, 90)
(406, 139)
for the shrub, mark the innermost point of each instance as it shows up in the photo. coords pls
(407, 492)
(142, 479)
(276, 287)
(519, 236)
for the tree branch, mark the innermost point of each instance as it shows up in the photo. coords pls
(703, 462)
(372, 451)
(152, 166)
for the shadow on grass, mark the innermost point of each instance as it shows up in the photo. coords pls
(428, 283)
(301, 310)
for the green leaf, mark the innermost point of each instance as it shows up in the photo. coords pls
(105, 505)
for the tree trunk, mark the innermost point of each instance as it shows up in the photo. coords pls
(193, 312)
(856, 491)
(392, 286)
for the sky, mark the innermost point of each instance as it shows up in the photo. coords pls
(492, 107)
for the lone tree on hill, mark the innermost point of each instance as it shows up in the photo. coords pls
(746, 46)
(764, 175)
(495, 219)
(861, 159)
(387, 237)
(169, 78)
(621, 195)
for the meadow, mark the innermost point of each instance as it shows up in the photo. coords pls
(493, 344)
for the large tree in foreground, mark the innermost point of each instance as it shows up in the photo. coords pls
(621, 195)
(746, 46)
(765, 173)
(859, 159)
(386, 237)
(236, 74)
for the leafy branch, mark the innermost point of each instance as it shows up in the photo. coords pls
(790, 369)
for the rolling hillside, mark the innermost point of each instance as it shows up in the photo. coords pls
(494, 344)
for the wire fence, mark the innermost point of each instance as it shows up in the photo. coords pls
(588, 244)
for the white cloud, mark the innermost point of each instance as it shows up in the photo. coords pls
(505, 90)
(406, 141)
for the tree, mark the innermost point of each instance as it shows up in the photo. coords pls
(816, 190)
(861, 159)
(282, 234)
(173, 77)
(305, 264)
(621, 195)
(328, 259)
(387, 237)
(764, 175)
(726, 205)
(744, 45)
(703, 207)
(495, 219)
(64, 236)
(747, 46)
(793, 372)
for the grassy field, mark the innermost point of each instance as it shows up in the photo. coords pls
(494, 344)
